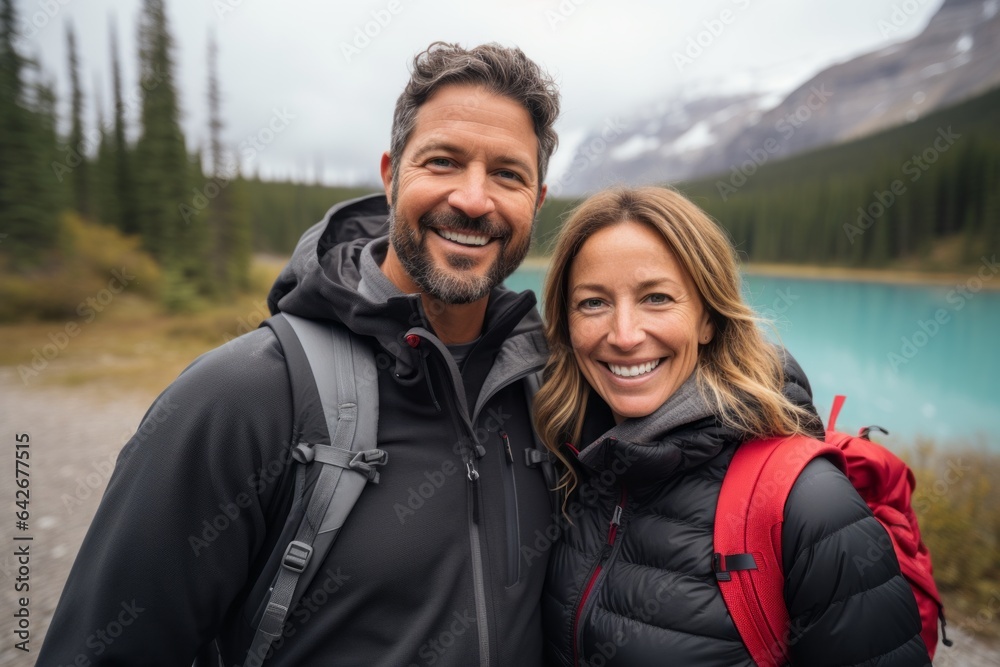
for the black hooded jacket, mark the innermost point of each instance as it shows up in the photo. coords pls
(428, 568)
(643, 592)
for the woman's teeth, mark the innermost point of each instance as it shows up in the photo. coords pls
(632, 371)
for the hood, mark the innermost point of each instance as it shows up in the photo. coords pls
(334, 275)
(683, 433)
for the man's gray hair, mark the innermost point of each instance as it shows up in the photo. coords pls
(502, 71)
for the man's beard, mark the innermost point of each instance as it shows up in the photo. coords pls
(458, 286)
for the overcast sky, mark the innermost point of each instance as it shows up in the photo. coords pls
(313, 63)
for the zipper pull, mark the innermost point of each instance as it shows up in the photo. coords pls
(506, 447)
(616, 518)
(473, 475)
(478, 452)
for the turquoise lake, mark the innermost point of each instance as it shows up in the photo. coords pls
(918, 360)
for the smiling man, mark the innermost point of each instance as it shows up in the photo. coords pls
(428, 568)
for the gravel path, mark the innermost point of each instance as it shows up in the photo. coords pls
(75, 436)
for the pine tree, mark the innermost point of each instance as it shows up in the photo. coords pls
(29, 191)
(104, 170)
(126, 215)
(163, 167)
(227, 218)
(78, 145)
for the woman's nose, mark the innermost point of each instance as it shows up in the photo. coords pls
(626, 329)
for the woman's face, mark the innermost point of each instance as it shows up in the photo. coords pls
(635, 318)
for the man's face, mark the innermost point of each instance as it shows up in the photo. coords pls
(464, 197)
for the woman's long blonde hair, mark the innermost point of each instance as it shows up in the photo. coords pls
(739, 372)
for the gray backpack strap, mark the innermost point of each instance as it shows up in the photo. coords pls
(540, 456)
(331, 374)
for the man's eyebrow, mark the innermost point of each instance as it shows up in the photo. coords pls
(435, 146)
(447, 147)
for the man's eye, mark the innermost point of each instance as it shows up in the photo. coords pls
(508, 174)
(439, 162)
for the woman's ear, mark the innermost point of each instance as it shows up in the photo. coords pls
(706, 332)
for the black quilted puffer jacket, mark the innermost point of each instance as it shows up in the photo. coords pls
(631, 581)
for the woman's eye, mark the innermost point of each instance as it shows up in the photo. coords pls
(658, 298)
(591, 303)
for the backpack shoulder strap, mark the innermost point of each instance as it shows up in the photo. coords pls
(539, 455)
(747, 538)
(335, 403)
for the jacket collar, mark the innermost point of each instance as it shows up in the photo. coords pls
(681, 434)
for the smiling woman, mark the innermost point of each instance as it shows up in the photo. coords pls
(635, 326)
(657, 375)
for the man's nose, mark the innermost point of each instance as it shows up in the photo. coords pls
(471, 195)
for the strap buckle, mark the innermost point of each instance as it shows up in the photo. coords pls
(534, 457)
(368, 461)
(723, 565)
(304, 452)
(297, 556)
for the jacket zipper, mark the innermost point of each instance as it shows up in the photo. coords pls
(470, 455)
(607, 554)
(513, 520)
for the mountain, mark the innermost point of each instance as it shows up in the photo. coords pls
(954, 58)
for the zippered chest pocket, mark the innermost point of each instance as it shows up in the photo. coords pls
(513, 522)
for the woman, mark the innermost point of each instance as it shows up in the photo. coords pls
(658, 372)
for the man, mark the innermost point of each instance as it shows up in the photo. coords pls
(428, 568)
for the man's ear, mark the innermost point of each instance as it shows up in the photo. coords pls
(386, 170)
(541, 197)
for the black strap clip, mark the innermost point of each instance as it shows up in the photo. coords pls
(723, 565)
(535, 457)
(297, 556)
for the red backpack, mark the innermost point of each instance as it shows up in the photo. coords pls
(749, 517)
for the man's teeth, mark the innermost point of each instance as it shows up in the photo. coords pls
(632, 371)
(464, 239)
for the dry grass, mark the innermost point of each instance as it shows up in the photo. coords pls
(132, 344)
